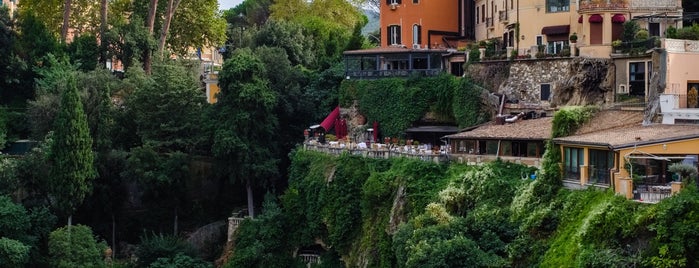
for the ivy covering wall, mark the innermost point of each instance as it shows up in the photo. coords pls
(398, 103)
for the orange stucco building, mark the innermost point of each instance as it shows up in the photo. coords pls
(424, 24)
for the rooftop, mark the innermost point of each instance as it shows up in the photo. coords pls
(390, 50)
(532, 129)
(624, 137)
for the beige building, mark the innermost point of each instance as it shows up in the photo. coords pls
(547, 24)
(601, 21)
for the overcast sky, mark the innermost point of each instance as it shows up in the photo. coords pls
(228, 4)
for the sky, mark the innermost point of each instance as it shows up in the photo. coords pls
(228, 4)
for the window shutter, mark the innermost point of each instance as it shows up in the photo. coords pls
(398, 32)
(419, 34)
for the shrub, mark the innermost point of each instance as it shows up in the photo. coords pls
(13, 253)
(155, 246)
(642, 35)
(180, 260)
(75, 246)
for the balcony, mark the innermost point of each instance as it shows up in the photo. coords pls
(503, 17)
(677, 45)
(603, 5)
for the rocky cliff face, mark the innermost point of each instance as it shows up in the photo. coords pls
(586, 82)
(576, 81)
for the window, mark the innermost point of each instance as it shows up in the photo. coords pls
(535, 149)
(539, 40)
(556, 47)
(654, 29)
(601, 162)
(393, 2)
(553, 6)
(573, 160)
(393, 35)
(545, 92)
(483, 13)
(637, 78)
(417, 34)
(467, 147)
(478, 10)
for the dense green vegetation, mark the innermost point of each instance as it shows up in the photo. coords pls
(409, 213)
(140, 152)
(397, 103)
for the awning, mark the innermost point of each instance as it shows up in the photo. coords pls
(580, 19)
(618, 18)
(596, 18)
(329, 121)
(555, 30)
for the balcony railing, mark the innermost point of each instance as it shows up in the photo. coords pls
(593, 5)
(651, 192)
(393, 73)
(675, 45)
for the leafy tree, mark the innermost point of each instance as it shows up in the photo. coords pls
(245, 124)
(75, 246)
(84, 51)
(13, 253)
(162, 177)
(198, 24)
(128, 40)
(21, 233)
(71, 153)
(82, 16)
(173, 88)
(8, 59)
(250, 251)
(290, 37)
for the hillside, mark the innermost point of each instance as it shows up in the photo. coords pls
(362, 212)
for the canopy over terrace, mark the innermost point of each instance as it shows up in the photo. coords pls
(393, 61)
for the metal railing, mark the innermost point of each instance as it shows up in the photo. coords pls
(591, 5)
(651, 192)
(393, 73)
(383, 152)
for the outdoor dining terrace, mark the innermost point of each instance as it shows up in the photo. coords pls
(380, 150)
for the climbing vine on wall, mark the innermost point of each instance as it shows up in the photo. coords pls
(397, 103)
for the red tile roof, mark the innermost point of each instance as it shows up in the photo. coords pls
(532, 129)
(624, 137)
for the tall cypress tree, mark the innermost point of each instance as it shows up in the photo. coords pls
(71, 153)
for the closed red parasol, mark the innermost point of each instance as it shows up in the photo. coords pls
(376, 131)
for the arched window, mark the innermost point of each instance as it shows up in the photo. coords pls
(417, 34)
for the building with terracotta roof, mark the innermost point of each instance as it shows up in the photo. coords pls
(519, 141)
(631, 158)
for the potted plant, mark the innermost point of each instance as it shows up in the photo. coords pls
(482, 44)
(573, 38)
(616, 44)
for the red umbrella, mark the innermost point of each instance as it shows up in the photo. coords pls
(376, 131)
